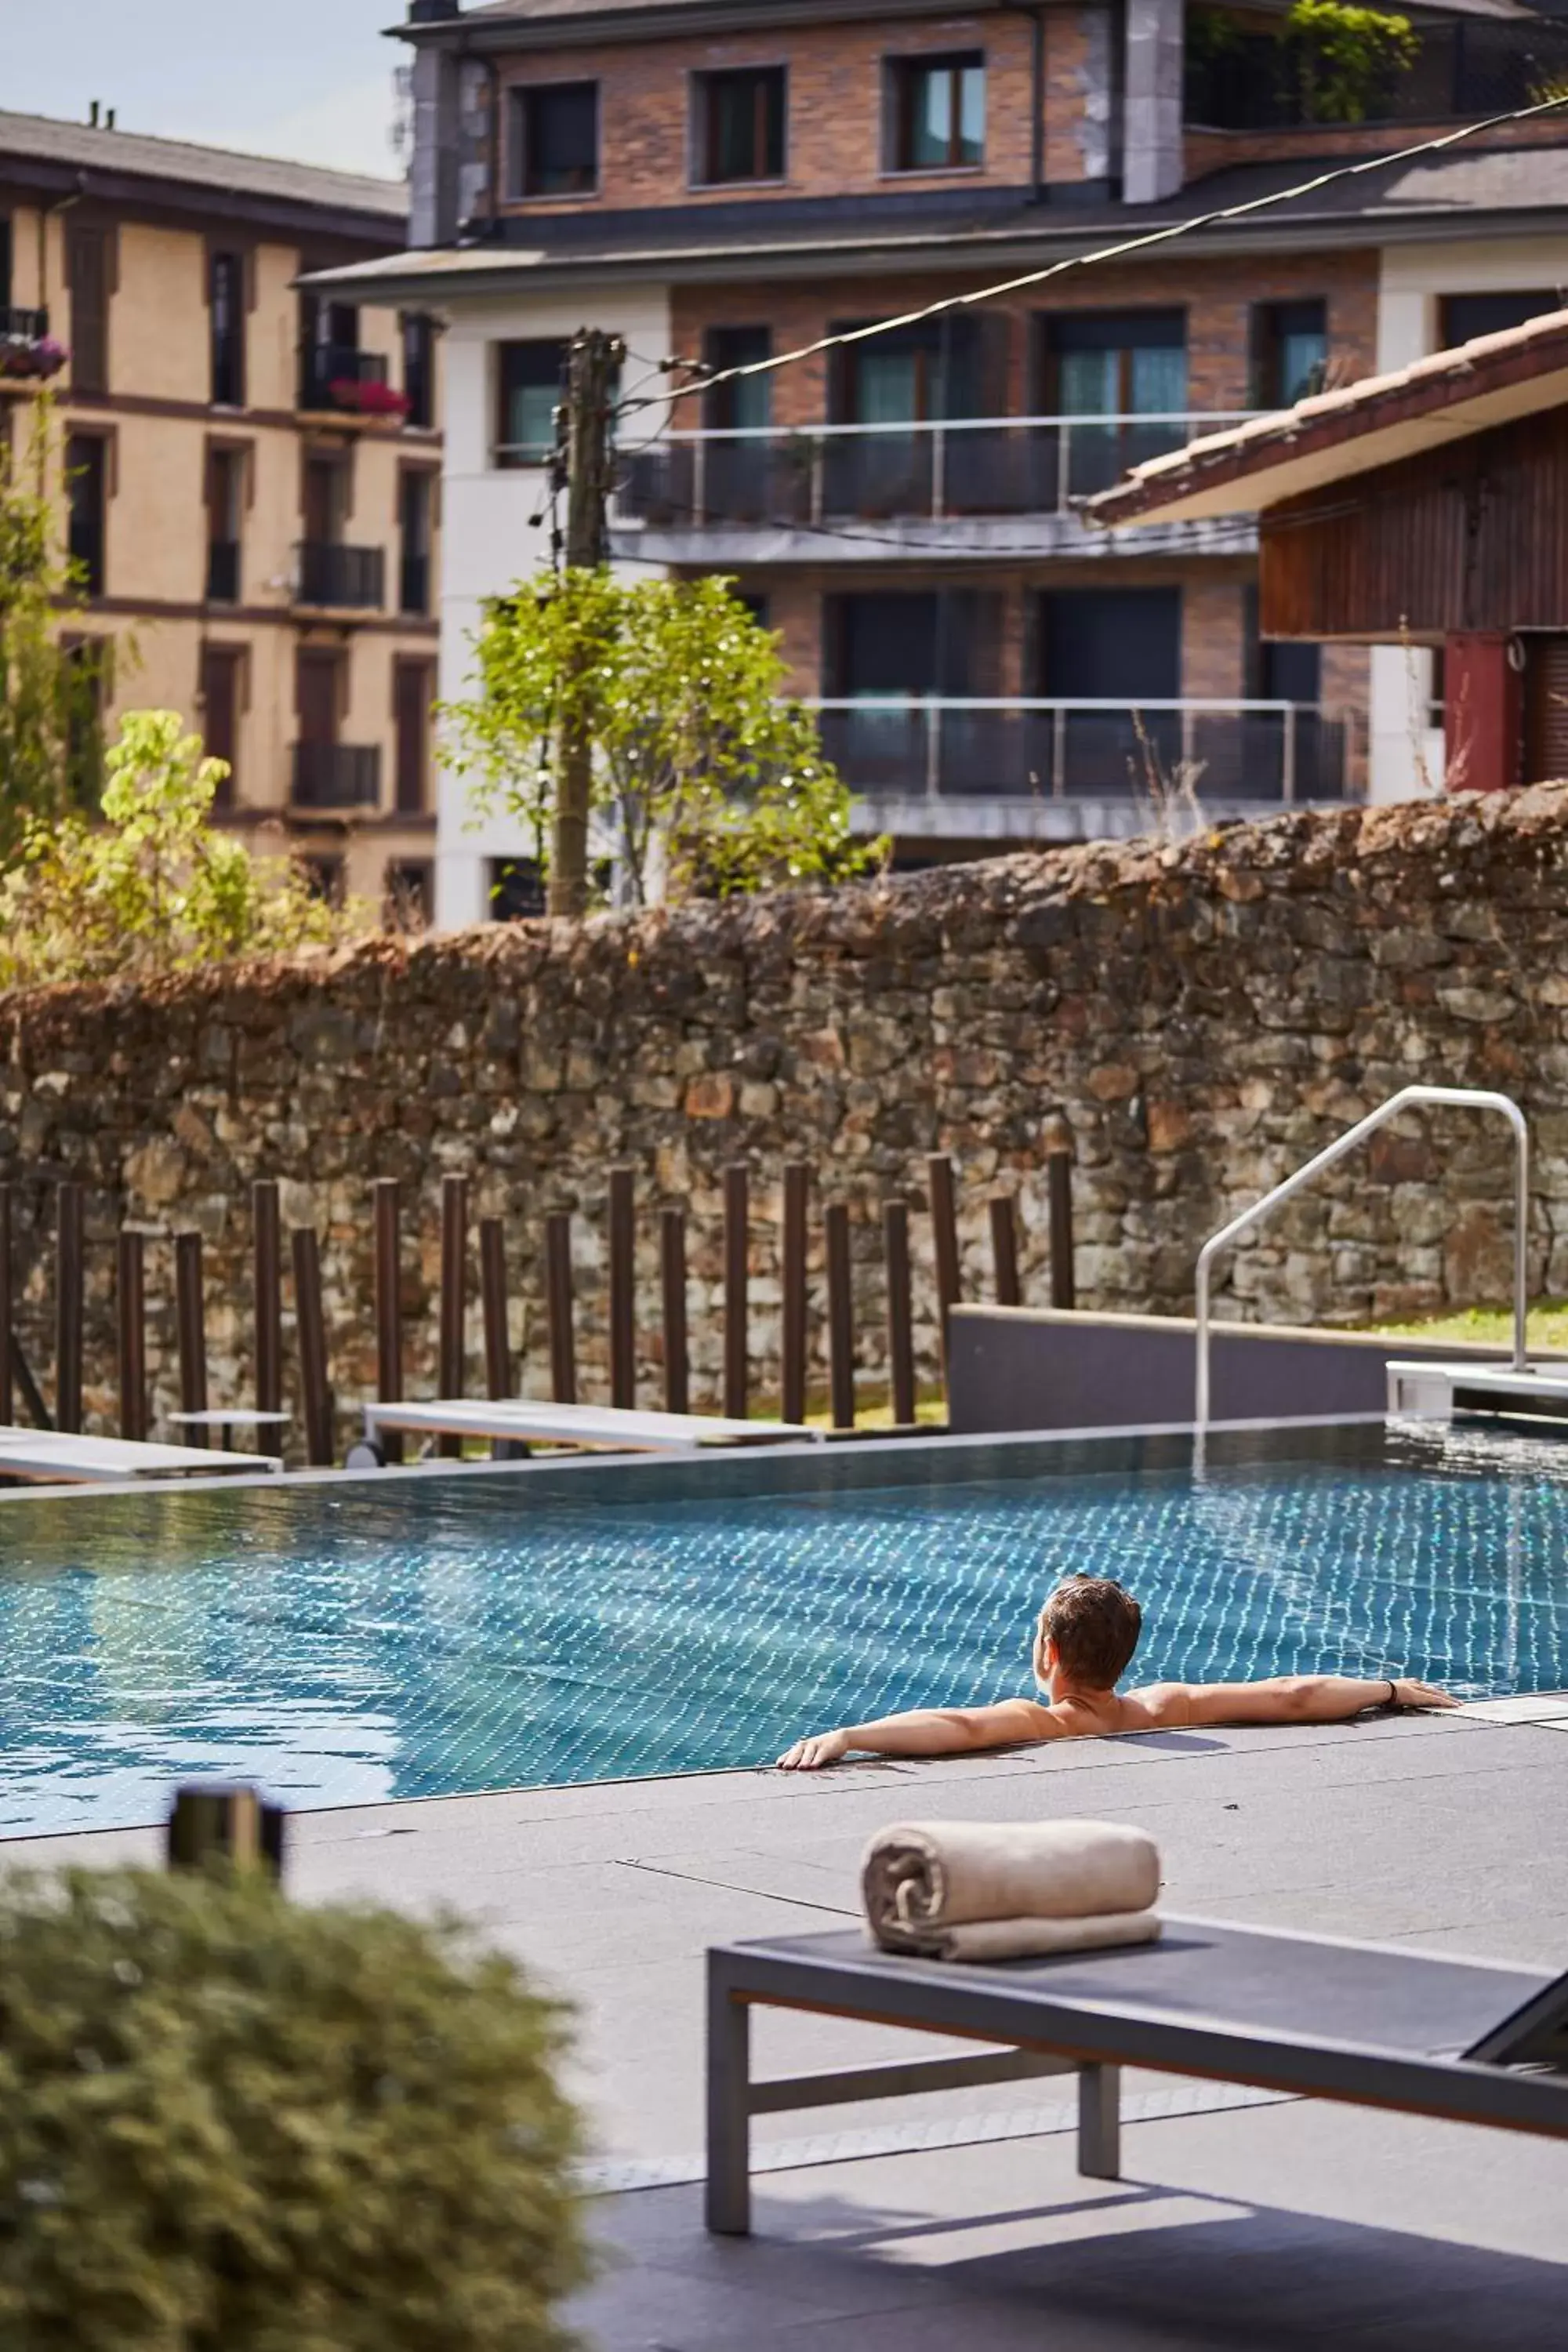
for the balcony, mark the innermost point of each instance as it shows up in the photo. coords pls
(990, 483)
(925, 766)
(339, 578)
(346, 384)
(28, 353)
(223, 572)
(1241, 78)
(336, 776)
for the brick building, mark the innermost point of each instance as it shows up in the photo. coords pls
(722, 183)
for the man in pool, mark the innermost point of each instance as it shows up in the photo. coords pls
(1088, 1631)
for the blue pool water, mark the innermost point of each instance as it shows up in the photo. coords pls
(344, 1644)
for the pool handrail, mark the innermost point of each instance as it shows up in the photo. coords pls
(1407, 1098)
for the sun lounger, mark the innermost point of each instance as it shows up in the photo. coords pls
(1367, 2024)
(57, 1457)
(519, 1422)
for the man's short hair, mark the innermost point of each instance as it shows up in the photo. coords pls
(1095, 1624)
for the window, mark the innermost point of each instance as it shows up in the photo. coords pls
(937, 112)
(85, 685)
(414, 498)
(226, 507)
(226, 302)
(1462, 317)
(1289, 352)
(410, 895)
(420, 368)
(740, 126)
(219, 691)
(528, 379)
(555, 140)
(88, 271)
(913, 374)
(324, 878)
(1112, 644)
(1116, 363)
(516, 889)
(330, 352)
(910, 642)
(413, 690)
(745, 404)
(86, 476)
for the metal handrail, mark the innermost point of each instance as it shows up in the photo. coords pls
(1471, 1098)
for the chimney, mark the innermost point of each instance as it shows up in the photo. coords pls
(92, 116)
(433, 12)
(108, 119)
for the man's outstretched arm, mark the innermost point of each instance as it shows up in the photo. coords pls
(1289, 1699)
(927, 1731)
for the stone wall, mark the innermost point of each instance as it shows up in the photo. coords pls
(1195, 1020)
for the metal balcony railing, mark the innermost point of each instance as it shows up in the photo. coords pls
(892, 747)
(935, 472)
(1259, 79)
(350, 578)
(331, 375)
(23, 326)
(336, 775)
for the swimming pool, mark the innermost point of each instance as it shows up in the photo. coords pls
(351, 1640)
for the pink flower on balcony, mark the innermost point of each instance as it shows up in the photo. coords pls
(31, 357)
(368, 396)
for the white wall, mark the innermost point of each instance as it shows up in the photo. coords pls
(488, 538)
(1412, 281)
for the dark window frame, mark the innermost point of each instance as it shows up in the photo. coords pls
(705, 90)
(93, 561)
(226, 353)
(1058, 332)
(506, 454)
(524, 180)
(417, 339)
(901, 75)
(234, 662)
(411, 791)
(92, 331)
(1269, 324)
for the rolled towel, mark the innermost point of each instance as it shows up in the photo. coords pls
(1005, 1890)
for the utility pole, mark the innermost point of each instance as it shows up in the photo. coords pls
(592, 367)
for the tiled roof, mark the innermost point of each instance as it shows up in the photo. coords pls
(39, 139)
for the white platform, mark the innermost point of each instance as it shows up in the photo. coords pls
(523, 1422)
(1427, 1390)
(59, 1458)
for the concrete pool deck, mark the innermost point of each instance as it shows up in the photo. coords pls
(960, 2220)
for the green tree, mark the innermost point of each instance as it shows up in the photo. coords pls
(47, 717)
(708, 779)
(154, 886)
(1343, 60)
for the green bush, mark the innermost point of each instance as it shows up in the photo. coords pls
(232, 2124)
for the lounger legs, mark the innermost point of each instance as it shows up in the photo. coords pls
(728, 2200)
(1099, 2122)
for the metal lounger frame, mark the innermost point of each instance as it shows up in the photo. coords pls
(1094, 2042)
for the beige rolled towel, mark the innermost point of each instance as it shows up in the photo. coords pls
(1009, 1890)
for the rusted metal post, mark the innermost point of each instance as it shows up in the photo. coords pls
(737, 1222)
(672, 1278)
(1058, 1178)
(792, 1283)
(7, 1369)
(315, 1392)
(492, 1297)
(190, 1330)
(840, 1315)
(623, 1288)
(1004, 1249)
(68, 1278)
(267, 1271)
(389, 1305)
(901, 1312)
(944, 1238)
(454, 1296)
(130, 1310)
(558, 1305)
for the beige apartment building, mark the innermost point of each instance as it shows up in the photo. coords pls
(251, 472)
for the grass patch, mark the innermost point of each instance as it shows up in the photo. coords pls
(1547, 1327)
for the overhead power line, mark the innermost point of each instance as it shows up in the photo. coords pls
(707, 379)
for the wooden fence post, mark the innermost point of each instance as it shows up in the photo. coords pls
(791, 1283)
(901, 1312)
(737, 1220)
(840, 1315)
(1004, 1249)
(388, 1196)
(1058, 1177)
(267, 1286)
(190, 1331)
(558, 1305)
(672, 1278)
(131, 1306)
(623, 1288)
(68, 1303)
(492, 1297)
(315, 1388)
(944, 1240)
(7, 1370)
(450, 1372)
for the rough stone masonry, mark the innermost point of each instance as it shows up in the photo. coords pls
(1193, 1019)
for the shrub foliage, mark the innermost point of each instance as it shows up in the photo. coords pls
(230, 2124)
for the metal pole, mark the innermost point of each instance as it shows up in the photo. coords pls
(1407, 1098)
(190, 1329)
(389, 1306)
(131, 1305)
(623, 1287)
(737, 1222)
(558, 1305)
(268, 1273)
(450, 1372)
(840, 1315)
(672, 1278)
(901, 1315)
(792, 1275)
(1288, 776)
(68, 1306)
